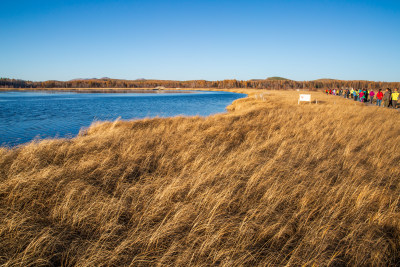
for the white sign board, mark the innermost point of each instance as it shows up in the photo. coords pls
(304, 97)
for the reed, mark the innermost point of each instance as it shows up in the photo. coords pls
(269, 183)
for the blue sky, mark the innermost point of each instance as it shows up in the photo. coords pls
(212, 40)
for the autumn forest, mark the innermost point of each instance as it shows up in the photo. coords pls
(275, 84)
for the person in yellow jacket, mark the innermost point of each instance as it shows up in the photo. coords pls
(395, 98)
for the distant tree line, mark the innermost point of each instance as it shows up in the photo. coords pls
(254, 84)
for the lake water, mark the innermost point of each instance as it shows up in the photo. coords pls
(43, 114)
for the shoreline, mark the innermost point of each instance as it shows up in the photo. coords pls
(107, 89)
(132, 90)
(233, 90)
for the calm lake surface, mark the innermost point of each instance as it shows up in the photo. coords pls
(25, 116)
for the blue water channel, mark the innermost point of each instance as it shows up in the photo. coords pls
(26, 115)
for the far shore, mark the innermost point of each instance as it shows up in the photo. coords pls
(247, 91)
(108, 89)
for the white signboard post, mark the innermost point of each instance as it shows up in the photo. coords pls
(303, 97)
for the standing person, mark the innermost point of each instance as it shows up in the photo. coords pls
(365, 95)
(371, 96)
(379, 97)
(361, 96)
(395, 98)
(390, 98)
(355, 95)
(386, 98)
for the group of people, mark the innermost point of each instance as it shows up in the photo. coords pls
(388, 98)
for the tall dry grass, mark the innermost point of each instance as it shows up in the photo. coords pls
(270, 183)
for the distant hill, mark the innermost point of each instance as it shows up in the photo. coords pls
(86, 79)
(82, 79)
(276, 78)
(325, 80)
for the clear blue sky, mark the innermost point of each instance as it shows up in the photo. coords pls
(212, 40)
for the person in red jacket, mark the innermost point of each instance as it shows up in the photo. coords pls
(361, 96)
(379, 97)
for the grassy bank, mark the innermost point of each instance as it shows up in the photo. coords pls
(269, 183)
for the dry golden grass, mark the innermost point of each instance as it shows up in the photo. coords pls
(270, 183)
